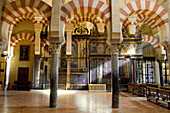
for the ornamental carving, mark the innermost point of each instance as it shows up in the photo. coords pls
(55, 48)
(114, 49)
(117, 48)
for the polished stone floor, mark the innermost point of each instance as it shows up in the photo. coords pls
(74, 102)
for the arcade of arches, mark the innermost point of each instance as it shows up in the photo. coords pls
(84, 45)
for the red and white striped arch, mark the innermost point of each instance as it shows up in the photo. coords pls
(44, 42)
(153, 10)
(152, 40)
(85, 7)
(149, 8)
(18, 8)
(26, 36)
(146, 19)
(141, 18)
(90, 18)
(21, 36)
(29, 16)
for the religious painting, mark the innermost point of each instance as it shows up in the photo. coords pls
(24, 52)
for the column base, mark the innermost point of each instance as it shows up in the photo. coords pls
(116, 107)
(54, 107)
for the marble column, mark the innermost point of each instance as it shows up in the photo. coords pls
(134, 71)
(100, 70)
(8, 60)
(131, 72)
(54, 75)
(37, 62)
(68, 74)
(157, 77)
(37, 28)
(79, 54)
(161, 73)
(115, 75)
(56, 39)
(168, 55)
(1, 47)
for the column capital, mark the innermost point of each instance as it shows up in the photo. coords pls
(38, 17)
(117, 48)
(55, 48)
(114, 48)
(37, 27)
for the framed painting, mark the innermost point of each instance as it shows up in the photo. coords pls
(24, 52)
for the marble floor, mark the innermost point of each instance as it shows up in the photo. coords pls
(74, 102)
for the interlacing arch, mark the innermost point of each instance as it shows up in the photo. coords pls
(29, 16)
(151, 40)
(141, 18)
(149, 8)
(44, 42)
(25, 36)
(84, 7)
(18, 8)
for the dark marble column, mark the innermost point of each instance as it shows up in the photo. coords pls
(37, 62)
(161, 73)
(115, 75)
(131, 72)
(54, 75)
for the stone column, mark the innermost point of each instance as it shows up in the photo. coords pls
(54, 75)
(100, 70)
(134, 71)
(79, 54)
(37, 62)
(37, 28)
(69, 43)
(1, 47)
(131, 72)
(168, 55)
(69, 28)
(161, 73)
(8, 60)
(157, 77)
(68, 74)
(115, 75)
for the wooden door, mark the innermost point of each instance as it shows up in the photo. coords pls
(23, 74)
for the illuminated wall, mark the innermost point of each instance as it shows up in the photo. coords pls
(15, 62)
